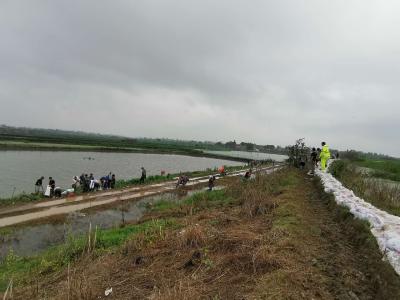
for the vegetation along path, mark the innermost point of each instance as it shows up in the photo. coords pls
(45, 209)
(277, 237)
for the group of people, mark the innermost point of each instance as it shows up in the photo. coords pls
(89, 183)
(320, 156)
(51, 187)
(86, 182)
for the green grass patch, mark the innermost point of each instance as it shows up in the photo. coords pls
(285, 216)
(6, 231)
(289, 180)
(21, 198)
(21, 269)
(386, 169)
(163, 205)
(198, 201)
(149, 180)
(216, 197)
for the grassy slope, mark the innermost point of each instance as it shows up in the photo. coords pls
(380, 194)
(386, 169)
(279, 237)
(56, 258)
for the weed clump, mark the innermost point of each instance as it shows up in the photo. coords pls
(193, 236)
(258, 197)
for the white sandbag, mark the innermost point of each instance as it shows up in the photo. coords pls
(48, 191)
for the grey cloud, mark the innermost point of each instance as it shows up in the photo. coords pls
(263, 71)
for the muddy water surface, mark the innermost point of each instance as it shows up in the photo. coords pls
(30, 240)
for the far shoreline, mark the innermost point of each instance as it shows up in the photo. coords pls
(84, 148)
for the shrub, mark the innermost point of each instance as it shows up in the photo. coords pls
(338, 167)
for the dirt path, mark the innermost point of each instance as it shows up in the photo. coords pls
(342, 251)
(45, 209)
(279, 237)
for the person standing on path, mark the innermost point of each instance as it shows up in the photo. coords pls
(39, 185)
(143, 175)
(324, 155)
(211, 181)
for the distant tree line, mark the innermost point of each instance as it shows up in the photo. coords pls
(107, 140)
(244, 146)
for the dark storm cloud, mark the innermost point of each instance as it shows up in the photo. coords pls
(262, 71)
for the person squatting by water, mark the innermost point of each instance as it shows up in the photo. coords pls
(182, 180)
(248, 174)
(75, 182)
(39, 185)
(108, 182)
(211, 182)
(222, 171)
(324, 155)
(94, 184)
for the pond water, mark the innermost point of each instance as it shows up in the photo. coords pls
(20, 169)
(31, 240)
(251, 155)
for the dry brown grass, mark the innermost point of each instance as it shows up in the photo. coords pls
(192, 236)
(231, 252)
(256, 203)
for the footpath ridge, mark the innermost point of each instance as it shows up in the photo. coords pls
(62, 206)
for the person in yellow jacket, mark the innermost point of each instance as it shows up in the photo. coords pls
(324, 155)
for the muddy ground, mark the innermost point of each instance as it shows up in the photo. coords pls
(279, 237)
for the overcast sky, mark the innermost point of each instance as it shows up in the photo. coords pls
(267, 72)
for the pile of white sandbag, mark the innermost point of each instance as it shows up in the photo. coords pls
(384, 226)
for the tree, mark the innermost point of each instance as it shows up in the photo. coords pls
(298, 152)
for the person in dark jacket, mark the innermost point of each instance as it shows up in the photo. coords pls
(314, 159)
(112, 181)
(39, 185)
(109, 180)
(52, 185)
(247, 175)
(87, 183)
(211, 182)
(142, 179)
